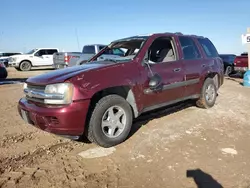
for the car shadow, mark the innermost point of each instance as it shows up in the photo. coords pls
(202, 179)
(12, 81)
(235, 77)
(155, 114)
(145, 118)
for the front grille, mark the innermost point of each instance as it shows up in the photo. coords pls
(34, 99)
(35, 88)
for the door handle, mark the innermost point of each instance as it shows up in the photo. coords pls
(203, 65)
(177, 70)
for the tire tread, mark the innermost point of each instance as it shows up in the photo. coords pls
(99, 105)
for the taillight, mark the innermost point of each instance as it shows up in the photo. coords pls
(235, 61)
(66, 59)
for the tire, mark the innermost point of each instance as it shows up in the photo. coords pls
(25, 66)
(6, 64)
(205, 101)
(17, 69)
(229, 70)
(103, 136)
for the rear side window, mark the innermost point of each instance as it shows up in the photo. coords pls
(189, 48)
(89, 49)
(51, 51)
(208, 47)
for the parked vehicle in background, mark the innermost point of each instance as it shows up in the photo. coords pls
(99, 99)
(241, 63)
(69, 59)
(4, 57)
(228, 60)
(37, 57)
(3, 71)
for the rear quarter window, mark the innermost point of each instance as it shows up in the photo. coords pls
(89, 49)
(189, 48)
(208, 47)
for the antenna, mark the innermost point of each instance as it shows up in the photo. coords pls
(77, 39)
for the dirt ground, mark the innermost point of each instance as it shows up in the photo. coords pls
(181, 146)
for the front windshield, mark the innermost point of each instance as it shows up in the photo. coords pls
(31, 51)
(121, 50)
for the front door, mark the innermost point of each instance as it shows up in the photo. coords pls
(164, 63)
(38, 59)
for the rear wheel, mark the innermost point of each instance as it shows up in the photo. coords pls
(110, 122)
(208, 94)
(229, 70)
(25, 66)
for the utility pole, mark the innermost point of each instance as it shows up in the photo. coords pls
(246, 40)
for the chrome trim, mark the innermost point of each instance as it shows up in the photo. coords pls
(41, 95)
(174, 85)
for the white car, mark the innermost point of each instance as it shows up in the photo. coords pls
(35, 58)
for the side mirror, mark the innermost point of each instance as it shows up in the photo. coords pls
(155, 82)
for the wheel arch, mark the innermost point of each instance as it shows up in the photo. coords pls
(27, 61)
(123, 91)
(216, 77)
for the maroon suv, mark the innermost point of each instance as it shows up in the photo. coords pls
(100, 99)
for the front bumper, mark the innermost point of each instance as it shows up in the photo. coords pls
(240, 69)
(66, 121)
(13, 64)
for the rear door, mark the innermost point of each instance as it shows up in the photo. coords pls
(164, 61)
(193, 64)
(212, 61)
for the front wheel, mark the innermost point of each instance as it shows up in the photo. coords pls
(208, 94)
(25, 66)
(110, 122)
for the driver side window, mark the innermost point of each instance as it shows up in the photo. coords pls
(162, 50)
(40, 53)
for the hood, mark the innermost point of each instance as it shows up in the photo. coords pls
(20, 55)
(57, 76)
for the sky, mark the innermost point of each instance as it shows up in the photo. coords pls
(28, 24)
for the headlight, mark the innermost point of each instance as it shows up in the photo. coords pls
(14, 58)
(65, 89)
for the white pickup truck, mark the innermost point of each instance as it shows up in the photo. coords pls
(37, 57)
(69, 59)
